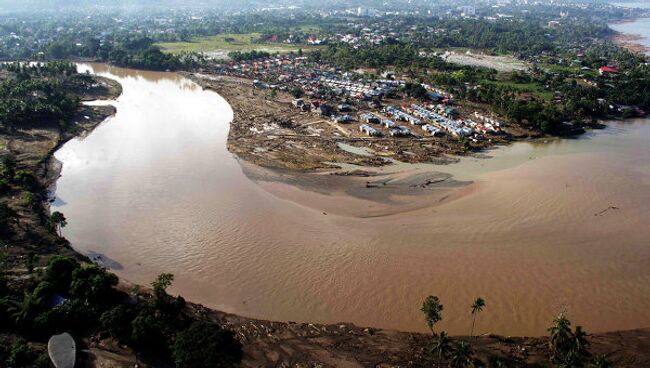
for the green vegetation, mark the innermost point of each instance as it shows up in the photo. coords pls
(35, 96)
(441, 346)
(206, 346)
(19, 354)
(415, 90)
(252, 55)
(566, 348)
(432, 310)
(230, 42)
(57, 221)
(524, 37)
(461, 355)
(346, 57)
(86, 302)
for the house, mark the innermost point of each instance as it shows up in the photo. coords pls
(431, 129)
(369, 118)
(400, 131)
(606, 70)
(342, 119)
(369, 130)
(388, 123)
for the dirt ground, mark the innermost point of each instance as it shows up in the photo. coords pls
(270, 132)
(291, 344)
(630, 42)
(279, 344)
(499, 63)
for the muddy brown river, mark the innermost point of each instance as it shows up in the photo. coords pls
(535, 229)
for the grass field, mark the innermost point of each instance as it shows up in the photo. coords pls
(225, 43)
(524, 87)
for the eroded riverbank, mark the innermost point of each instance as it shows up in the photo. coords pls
(268, 131)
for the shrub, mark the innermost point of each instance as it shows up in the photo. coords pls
(4, 185)
(59, 273)
(26, 179)
(29, 200)
(148, 333)
(7, 167)
(6, 217)
(206, 346)
(117, 322)
(93, 285)
(73, 316)
(20, 355)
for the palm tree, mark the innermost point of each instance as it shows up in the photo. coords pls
(58, 221)
(560, 341)
(441, 346)
(477, 307)
(461, 356)
(432, 310)
(22, 313)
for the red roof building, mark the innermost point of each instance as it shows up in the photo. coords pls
(607, 70)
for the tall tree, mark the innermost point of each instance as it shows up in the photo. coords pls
(561, 338)
(432, 310)
(477, 307)
(58, 221)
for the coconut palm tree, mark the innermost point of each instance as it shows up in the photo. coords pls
(432, 310)
(461, 356)
(441, 346)
(58, 221)
(477, 307)
(561, 337)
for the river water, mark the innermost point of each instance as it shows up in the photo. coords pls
(538, 229)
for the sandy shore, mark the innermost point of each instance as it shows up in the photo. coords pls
(630, 42)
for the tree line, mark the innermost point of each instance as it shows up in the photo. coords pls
(567, 347)
(38, 95)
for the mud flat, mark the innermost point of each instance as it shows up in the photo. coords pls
(631, 34)
(266, 130)
(630, 42)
